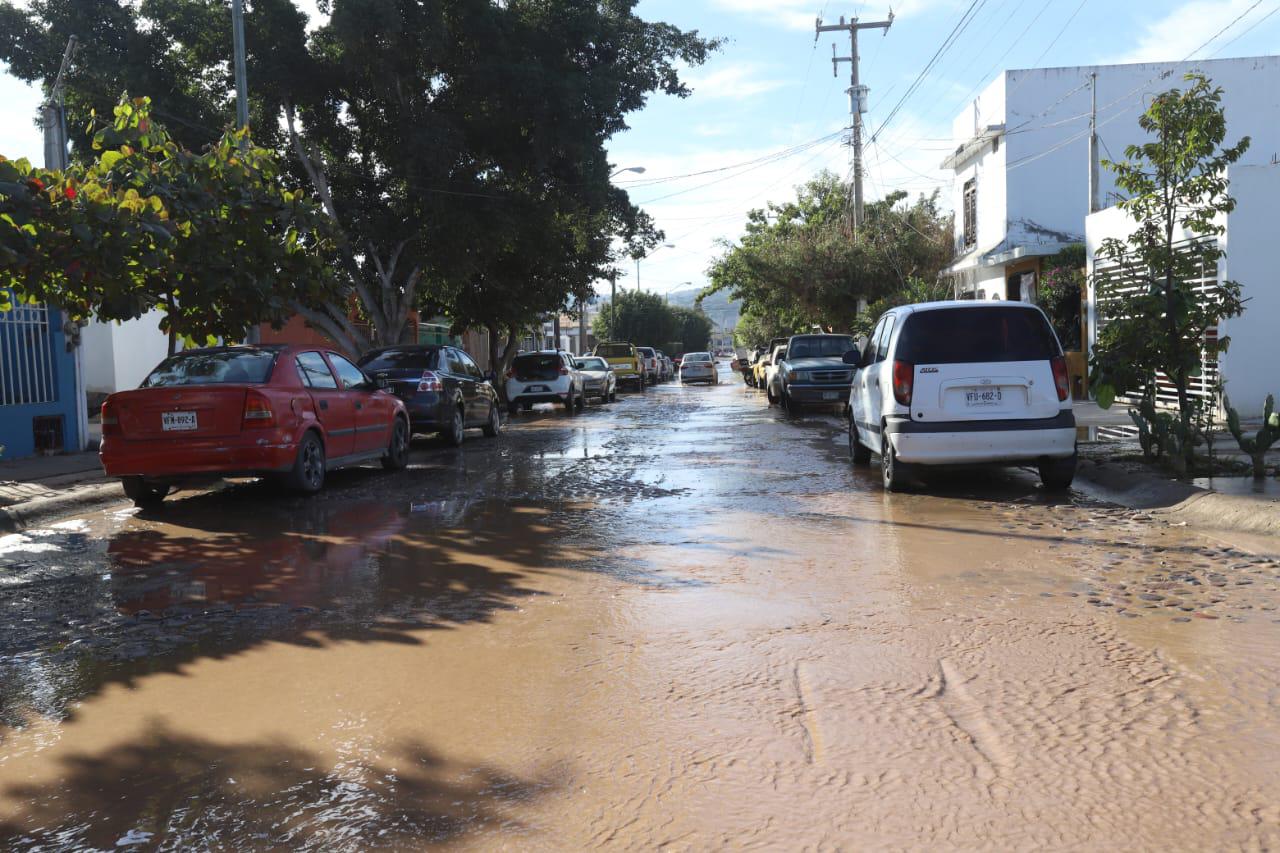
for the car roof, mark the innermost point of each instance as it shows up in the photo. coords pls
(406, 347)
(242, 348)
(970, 304)
(821, 335)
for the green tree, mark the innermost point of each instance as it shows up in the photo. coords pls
(692, 330)
(643, 319)
(1174, 183)
(215, 240)
(800, 263)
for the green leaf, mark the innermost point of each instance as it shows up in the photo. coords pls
(1106, 395)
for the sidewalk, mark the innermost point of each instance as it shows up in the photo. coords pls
(39, 488)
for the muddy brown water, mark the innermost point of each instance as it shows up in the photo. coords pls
(678, 621)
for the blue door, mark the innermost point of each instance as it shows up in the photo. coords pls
(37, 383)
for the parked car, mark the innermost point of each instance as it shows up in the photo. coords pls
(598, 380)
(772, 385)
(814, 373)
(666, 370)
(946, 383)
(675, 363)
(761, 366)
(288, 412)
(546, 376)
(649, 359)
(443, 389)
(699, 367)
(624, 361)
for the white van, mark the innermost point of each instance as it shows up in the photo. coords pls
(950, 383)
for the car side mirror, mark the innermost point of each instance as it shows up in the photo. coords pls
(381, 382)
(853, 357)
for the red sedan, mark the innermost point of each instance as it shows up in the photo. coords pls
(290, 412)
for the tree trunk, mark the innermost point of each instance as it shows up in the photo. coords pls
(503, 359)
(173, 332)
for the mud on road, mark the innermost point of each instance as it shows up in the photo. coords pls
(678, 620)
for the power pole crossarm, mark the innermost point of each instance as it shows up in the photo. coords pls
(857, 92)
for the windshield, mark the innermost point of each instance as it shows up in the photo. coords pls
(614, 350)
(547, 361)
(222, 367)
(824, 347)
(592, 364)
(967, 335)
(645, 351)
(697, 356)
(400, 359)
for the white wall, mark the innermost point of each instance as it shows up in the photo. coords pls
(1035, 188)
(1251, 365)
(118, 356)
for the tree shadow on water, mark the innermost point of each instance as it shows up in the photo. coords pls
(173, 791)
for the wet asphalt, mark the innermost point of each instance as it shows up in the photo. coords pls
(680, 620)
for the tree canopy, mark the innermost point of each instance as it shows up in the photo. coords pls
(800, 263)
(645, 319)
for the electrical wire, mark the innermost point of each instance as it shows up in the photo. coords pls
(1246, 31)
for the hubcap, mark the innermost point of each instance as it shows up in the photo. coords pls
(401, 440)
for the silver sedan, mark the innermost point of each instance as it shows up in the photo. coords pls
(597, 379)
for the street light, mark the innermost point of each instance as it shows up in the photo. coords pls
(639, 170)
(639, 257)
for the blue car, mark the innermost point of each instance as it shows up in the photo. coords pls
(442, 388)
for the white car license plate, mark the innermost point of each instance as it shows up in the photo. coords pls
(978, 397)
(178, 421)
(830, 395)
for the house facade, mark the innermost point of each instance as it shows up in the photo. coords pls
(1023, 181)
(42, 409)
(1247, 371)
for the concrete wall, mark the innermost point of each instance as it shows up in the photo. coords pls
(118, 356)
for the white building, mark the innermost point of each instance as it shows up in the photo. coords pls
(1021, 164)
(1249, 367)
(118, 356)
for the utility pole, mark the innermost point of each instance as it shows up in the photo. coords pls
(237, 46)
(857, 92)
(53, 116)
(1093, 143)
(613, 304)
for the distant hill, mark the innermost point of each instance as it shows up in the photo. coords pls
(722, 310)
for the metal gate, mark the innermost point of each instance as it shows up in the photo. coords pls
(28, 371)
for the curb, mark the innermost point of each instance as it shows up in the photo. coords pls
(1182, 502)
(18, 517)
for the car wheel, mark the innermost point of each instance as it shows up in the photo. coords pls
(1057, 474)
(142, 493)
(493, 425)
(512, 409)
(768, 392)
(397, 456)
(582, 401)
(892, 471)
(528, 407)
(456, 431)
(308, 471)
(858, 452)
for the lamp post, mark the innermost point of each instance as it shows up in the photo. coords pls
(639, 170)
(640, 257)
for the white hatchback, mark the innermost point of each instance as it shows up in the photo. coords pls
(953, 383)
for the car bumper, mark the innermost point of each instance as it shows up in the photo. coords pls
(426, 412)
(540, 397)
(829, 395)
(966, 442)
(226, 457)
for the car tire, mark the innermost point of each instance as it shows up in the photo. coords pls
(397, 455)
(892, 472)
(790, 406)
(859, 453)
(307, 475)
(582, 401)
(455, 432)
(527, 407)
(768, 392)
(493, 425)
(513, 409)
(1057, 474)
(142, 493)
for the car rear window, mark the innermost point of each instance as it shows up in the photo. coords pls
(832, 347)
(226, 367)
(614, 350)
(592, 364)
(964, 335)
(698, 356)
(400, 359)
(647, 352)
(536, 362)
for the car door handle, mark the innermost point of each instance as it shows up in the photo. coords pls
(324, 404)
(359, 406)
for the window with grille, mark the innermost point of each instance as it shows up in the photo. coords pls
(971, 213)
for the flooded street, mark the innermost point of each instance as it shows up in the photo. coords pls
(680, 620)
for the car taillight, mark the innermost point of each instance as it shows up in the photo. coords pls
(511, 373)
(1060, 377)
(257, 411)
(110, 421)
(431, 382)
(904, 376)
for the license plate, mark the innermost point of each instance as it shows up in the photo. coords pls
(830, 395)
(539, 388)
(983, 397)
(177, 421)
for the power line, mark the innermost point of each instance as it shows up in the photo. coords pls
(1246, 31)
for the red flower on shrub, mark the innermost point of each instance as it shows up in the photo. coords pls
(69, 191)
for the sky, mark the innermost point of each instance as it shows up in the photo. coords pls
(766, 113)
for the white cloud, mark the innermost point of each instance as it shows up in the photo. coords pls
(736, 81)
(19, 136)
(1186, 27)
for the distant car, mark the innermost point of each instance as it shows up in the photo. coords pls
(666, 370)
(698, 367)
(772, 385)
(944, 383)
(814, 373)
(624, 361)
(598, 380)
(443, 389)
(761, 365)
(288, 412)
(547, 376)
(649, 358)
